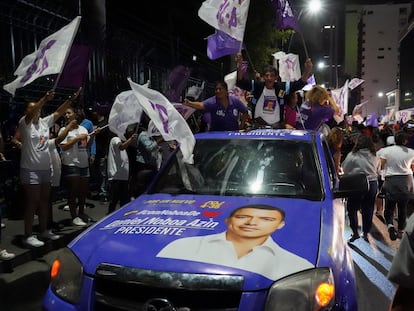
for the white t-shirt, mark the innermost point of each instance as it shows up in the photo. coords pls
(77, 155)
(267, 107)
(399, 160)
(268, 259)
(118, 162)
(56, 163)
(35, 152)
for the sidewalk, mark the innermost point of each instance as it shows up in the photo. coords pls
(12, 235)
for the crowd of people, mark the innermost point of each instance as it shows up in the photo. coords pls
(65, 152)
(83, 153)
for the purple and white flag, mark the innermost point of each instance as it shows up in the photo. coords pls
(169, 122)
(221, 44)
(355, 82)
(372, 120)
(176, 82)
(340, 96)
(289, 67)
(126, 110)
(48, 59)
(285, 16)
(227, 16)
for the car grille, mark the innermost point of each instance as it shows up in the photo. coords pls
(132, 289)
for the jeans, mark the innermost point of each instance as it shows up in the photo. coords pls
(366, 204)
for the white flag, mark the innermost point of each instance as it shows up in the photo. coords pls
(126, 110)
(169, 122)
(340, 96)
(227, 16)
(289, 67)
(48, 59)
(355, 82)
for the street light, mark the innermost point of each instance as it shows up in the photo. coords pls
(312, 7)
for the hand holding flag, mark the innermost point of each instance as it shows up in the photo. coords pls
(166, 118)
(48, 59)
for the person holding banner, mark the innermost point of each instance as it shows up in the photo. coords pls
(228, 113)
(269, 93)
(35, 165)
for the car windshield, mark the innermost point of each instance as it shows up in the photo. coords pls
(243, 167)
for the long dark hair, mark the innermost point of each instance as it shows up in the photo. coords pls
(364, 142)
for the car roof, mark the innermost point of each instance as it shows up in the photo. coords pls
(262, 133)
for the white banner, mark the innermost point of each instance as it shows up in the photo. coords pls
(126, 110)
(340, 96)
(289, 67)
(227, 16)
(169, 122)
(48, 59)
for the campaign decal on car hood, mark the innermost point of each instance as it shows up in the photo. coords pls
(269, 237)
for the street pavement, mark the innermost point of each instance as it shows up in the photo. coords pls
(26, 277)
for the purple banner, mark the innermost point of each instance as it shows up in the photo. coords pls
(76, 67)
(285, 16)
(221, 44)
(177, 81)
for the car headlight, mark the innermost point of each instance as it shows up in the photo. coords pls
(66, 276)
(309, 290)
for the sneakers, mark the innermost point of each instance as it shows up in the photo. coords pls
(78, 222)
(32, 241)
(3, 225)
(66, 208)
(5, 255)
(392, 233)
(48, 234)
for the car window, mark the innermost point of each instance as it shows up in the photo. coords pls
(245, 167)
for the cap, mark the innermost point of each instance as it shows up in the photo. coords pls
(390, 141)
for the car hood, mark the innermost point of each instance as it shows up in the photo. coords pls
(140, 235)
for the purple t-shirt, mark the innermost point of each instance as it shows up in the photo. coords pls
(224, 119)
(314, 115)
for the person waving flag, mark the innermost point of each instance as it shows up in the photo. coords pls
(48, 59)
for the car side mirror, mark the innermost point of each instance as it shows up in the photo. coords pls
(351, 184)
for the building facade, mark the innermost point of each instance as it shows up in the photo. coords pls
(372, 52)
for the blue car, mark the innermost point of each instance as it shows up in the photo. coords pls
(254, 222)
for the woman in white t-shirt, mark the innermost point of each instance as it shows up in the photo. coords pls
(75, 165)
(35, 169)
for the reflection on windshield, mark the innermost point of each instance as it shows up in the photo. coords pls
(245, 167)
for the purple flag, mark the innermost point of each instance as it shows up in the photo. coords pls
(76, 67)
(372, 120)
(177, 82)
(285, 16)
(221, 44)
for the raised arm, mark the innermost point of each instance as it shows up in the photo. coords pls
(307, 70)
(195, 104)
(67, 103)
(35, 108)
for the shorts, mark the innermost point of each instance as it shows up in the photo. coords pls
(70, 170)
(35, 177)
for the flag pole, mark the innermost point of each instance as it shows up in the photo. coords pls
(67, 54)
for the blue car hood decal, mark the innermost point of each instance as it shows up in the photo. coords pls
(265, 239)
